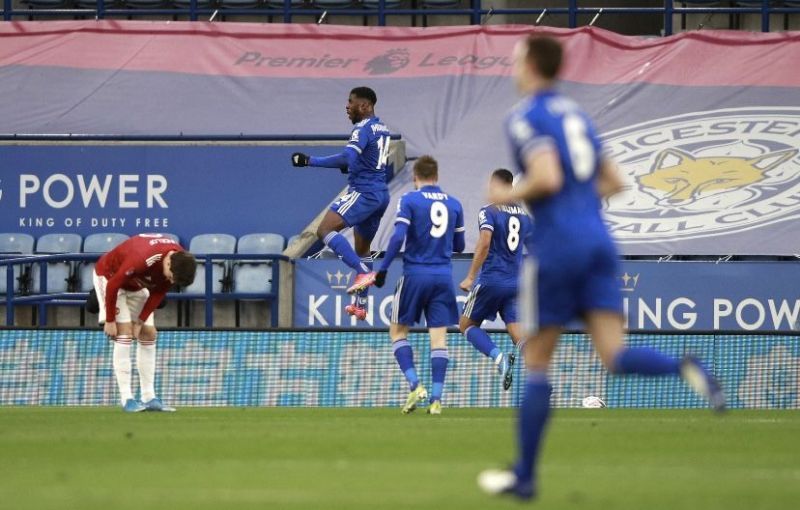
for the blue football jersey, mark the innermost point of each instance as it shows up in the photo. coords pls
(370, 139)
(510, 226)
(433, 217)
(550, 121)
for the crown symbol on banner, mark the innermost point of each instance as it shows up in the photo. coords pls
(629, 282)
(339, 280)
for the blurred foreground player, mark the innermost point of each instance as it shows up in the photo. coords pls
(364, 160)
(574, 265)
(431, 223)
(131, 281)
(492, 277)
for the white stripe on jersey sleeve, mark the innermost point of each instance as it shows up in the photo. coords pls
(487, 227)
(402, 220)
(354, 147)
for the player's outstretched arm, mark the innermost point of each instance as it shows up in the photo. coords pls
(481, 252)
(342, 161)
(395, 243)
(609, 181)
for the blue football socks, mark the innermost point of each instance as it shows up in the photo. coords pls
(481, 340)
(337, 242)
(439, 361)
(405, 359)
(645, 361)
(534, 412)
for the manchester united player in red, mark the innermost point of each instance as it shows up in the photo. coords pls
(131, 281)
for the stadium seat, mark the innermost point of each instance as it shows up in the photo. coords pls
(256, 276)
(59, 274)
(186, 4)
(45, 4)
(440, 4)
(96, 243)
(332, 4)
(374, 4)
(14, 244)
(278, 4)
(238, 4)
(142, 4)
(211, 244)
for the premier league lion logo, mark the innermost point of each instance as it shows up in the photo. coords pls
(389, 62)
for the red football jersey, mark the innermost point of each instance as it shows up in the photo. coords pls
(136, 264)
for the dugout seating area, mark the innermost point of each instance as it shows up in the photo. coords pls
(242, 276)
(56, 270)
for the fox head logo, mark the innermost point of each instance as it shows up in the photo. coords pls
(680, 179)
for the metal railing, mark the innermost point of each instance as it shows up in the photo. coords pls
(42, 299)
(477, 12)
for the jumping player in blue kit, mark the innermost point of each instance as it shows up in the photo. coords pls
(573, 268)
(431, 223)
(364, 160)
(492, 277)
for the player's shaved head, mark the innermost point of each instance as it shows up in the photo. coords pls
(366, 94)
(183, 267)
(426, 168)
(544, 54)
(504, 176)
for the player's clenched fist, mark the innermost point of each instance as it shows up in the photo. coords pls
(466, 284)
(380, 279)
(299, 159)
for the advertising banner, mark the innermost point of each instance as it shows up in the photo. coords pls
(666, 296)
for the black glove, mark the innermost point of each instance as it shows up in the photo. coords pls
(343, 169)
(300, 159)
(380, 278)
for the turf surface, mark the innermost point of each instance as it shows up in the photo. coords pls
(377, 459)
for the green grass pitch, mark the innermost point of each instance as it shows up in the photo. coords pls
(100, 458)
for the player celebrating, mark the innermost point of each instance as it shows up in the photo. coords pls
(555, 144)
(431, 223)
(362, 207)
(131, 281)
(498, 254)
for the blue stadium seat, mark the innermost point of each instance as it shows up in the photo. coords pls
(256, 276)
(374, 4)
(143, 4)
(45, 4)
(332, 4)
(238, 4)
(14, 244)
(96, 243)
(278, 4)
(58, 273)
(440, 4)
(186, 4)
(211, 244)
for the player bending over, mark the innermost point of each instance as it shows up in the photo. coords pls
(431, 223)
(556, 146)
(498, 255)
(362, 207)
(131, 281)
